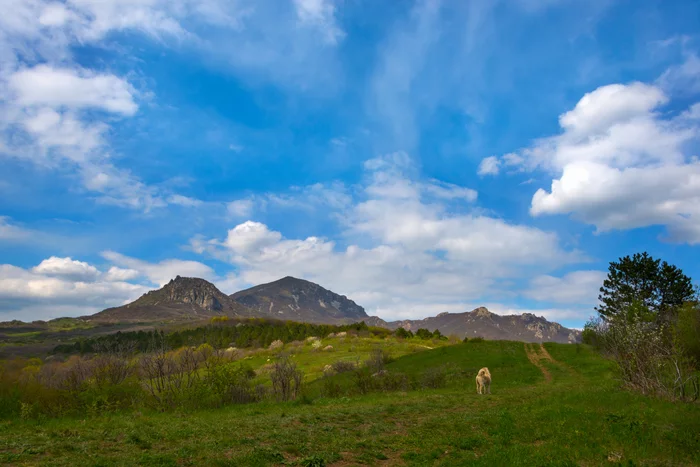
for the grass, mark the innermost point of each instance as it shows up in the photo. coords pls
(580, 417)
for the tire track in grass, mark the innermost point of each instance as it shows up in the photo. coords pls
(535, 358)
(546, 356)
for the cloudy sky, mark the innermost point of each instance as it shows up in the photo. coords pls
(419, 157)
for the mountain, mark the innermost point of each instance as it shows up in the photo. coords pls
(181, 299)
(295, 299)
(481, 322)
(191, 299)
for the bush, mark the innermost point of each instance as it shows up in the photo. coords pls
(402, 333)
(278, 344)
(389, 381)
(648, 354)
(231, 383)
(687, 331)
(286, 380)
(378, 359)
(343, 366)
(364, 381)
(434, 378)
(331, 388)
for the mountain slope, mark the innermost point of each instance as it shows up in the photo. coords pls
(183, 298)
(295, 299)
(481, 322)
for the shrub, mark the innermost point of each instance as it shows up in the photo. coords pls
(286, 380)
(278, 344)
(687, 331)
(389, 381)
(231, 383)
(364, 380)
(331, 388)
(343, 366)
(402, 333)
(434, 378)
(378, 359)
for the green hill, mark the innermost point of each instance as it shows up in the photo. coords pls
(553, 405)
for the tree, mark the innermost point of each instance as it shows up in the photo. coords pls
(643, 282)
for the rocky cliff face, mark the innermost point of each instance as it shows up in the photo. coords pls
(299, 300)
(183, 298)
(482, 323)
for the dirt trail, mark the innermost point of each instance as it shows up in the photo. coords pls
(535, 358)
(546, 356)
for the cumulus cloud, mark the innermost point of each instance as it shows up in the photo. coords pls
(67, 268)
(115, 274)
(59, 287)
(74, 88)
(162, 272)
(408, 254)
(621, 163)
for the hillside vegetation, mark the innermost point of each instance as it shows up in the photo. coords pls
(550, 405)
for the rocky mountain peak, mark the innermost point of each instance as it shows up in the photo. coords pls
(187, 290)
(482, 311)
(301, 300)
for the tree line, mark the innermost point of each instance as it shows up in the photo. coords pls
(223, 332)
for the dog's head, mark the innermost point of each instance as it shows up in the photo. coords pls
(484, 372)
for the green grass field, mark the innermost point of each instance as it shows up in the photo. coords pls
(560, 407)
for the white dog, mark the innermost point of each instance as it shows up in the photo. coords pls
(483, 381)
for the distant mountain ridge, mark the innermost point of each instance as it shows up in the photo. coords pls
(186, 299)
(480, 322)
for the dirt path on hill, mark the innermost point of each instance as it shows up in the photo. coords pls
(536, 357)
(546, 356)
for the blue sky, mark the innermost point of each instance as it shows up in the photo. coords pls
(419, 157)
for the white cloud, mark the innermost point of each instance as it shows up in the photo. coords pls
(54, 289)
(610, 105)
(11, 232)
(67, 268)
(162, 272)
(578, 287)
(407, 254)
(184, 201)
(683, 79)
(73, 88)
(47, 111)
(320, 14)
(621, 163)
(240, 207)
(489, 166)
(115, 274)
(449, 191)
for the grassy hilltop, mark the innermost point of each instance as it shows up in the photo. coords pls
(550, 405)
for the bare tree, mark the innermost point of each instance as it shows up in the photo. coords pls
(286, 380)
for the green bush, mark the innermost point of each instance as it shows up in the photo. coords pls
(434, 378)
